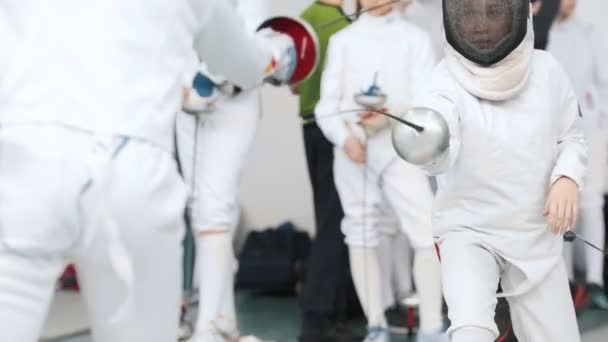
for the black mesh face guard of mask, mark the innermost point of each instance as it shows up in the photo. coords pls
(485, 31)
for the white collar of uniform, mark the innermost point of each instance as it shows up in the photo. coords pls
(389, 18)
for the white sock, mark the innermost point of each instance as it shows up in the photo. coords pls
(385, 261)
(215, 261)
(227, 320)
(427, 276)
(472, 334)
(366, 276)
(592, 229)
(402, 266)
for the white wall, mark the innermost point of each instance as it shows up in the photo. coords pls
(275, 184)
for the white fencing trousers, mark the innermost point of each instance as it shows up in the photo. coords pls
(471, 274)
(395, 258)
(398, 186)
(42, 169)
(224, 142)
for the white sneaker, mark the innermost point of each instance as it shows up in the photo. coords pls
(437, 337)
(186, 330)
(220, 336)
(378, 334)
(207, 336)
(249, 338)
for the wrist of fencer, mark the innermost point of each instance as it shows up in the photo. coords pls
(229, 89)
(284, 70)
(196, 104)
(571, 179)
(284, 60)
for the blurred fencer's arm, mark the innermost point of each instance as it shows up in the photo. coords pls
(572, 148)
(227, 47)
(332, 85)
(254, 12)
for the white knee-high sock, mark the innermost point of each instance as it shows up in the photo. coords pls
(427, 276)
(592, 229)
(227, 320)
(385, 261)
(402, 266)
(366, 276)
(215, 260)
(472, 334)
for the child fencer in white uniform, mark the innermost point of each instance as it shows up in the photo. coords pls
(226, 131)
(368, 174)
(509, 174)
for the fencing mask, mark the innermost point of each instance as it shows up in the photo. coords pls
(485, 31)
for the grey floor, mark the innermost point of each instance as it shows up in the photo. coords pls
(271, 319)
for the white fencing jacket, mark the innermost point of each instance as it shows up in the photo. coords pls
(115, 66)
(400, 52)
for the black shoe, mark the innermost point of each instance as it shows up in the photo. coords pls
(341, 332)
(396, 317)
(503, 322)
(320, 328)
(315, 324)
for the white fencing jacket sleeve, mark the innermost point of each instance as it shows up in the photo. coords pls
(332, 83)
(442, 99)
(254, 12)
(572, 149)
(225, 44)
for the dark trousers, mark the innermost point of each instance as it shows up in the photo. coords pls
(606, 246)
(543, 22)
(327, 272)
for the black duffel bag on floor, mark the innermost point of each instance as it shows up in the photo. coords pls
(270, 259)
